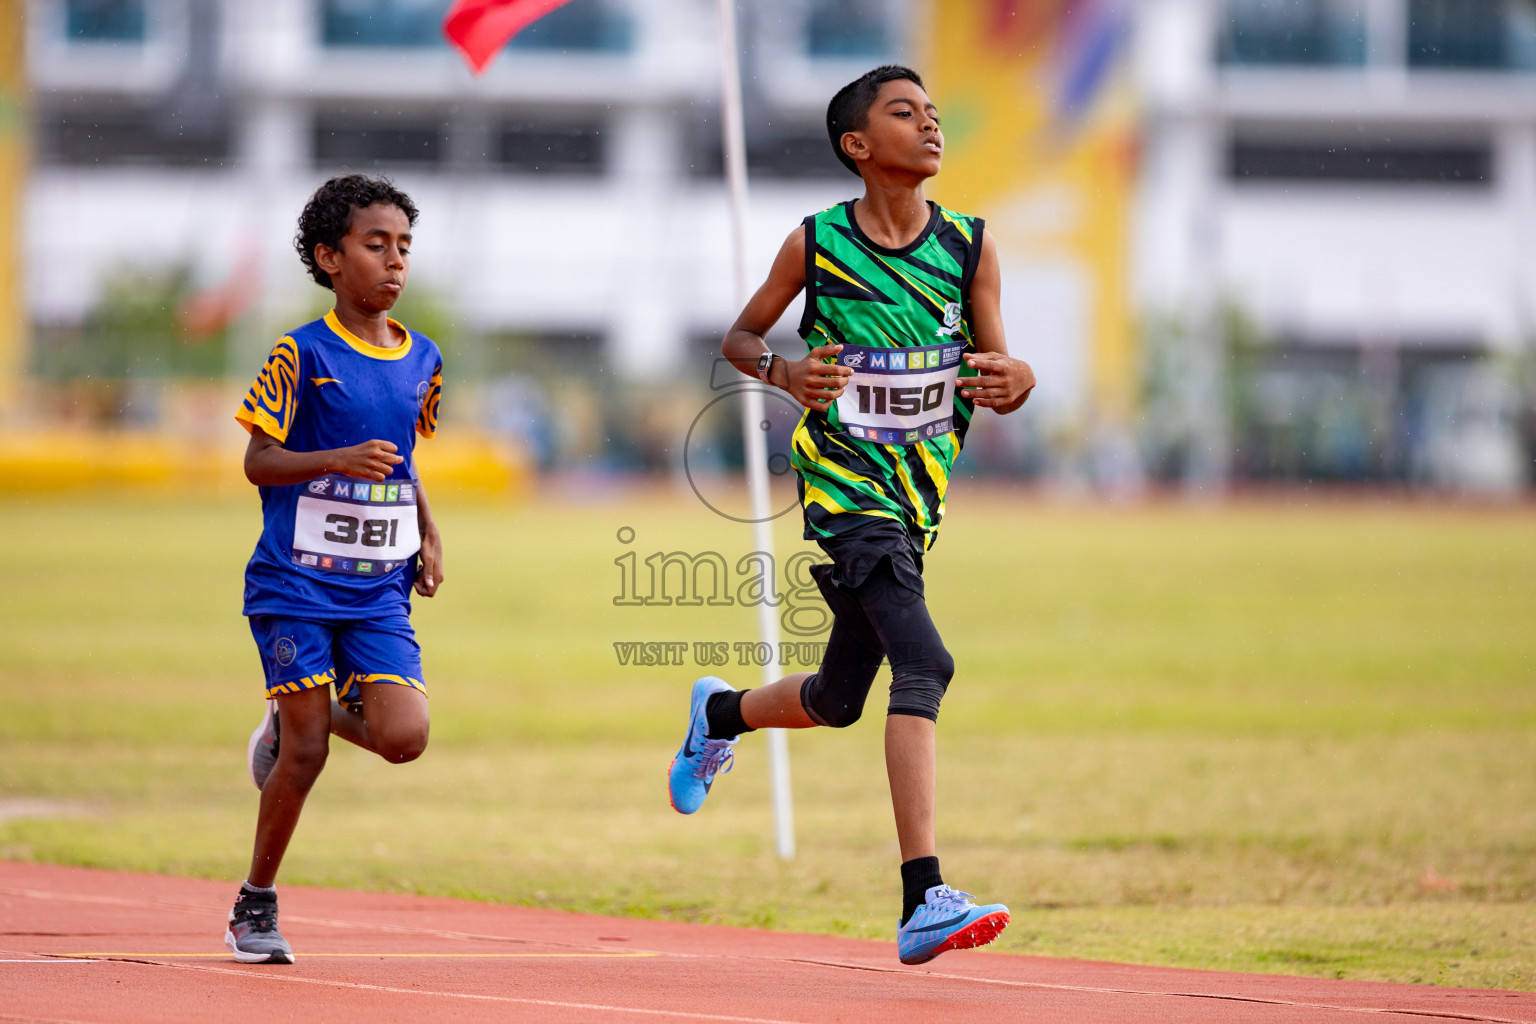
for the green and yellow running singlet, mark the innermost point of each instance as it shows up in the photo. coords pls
(885, 448)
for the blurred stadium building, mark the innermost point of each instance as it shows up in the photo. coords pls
(1322, 267)
(1345, 190)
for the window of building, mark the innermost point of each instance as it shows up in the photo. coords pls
(345, 141)
(105, 21)
(131, 135)
(579, 25)
(1307, 32)
(848, 28)
(781, 151)
(395, 23)
(1459, 33)
(594, 25)
(1462, 164)
(800, 154)
(539, 147)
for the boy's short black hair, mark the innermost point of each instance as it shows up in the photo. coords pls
(327, 217)
(849, 109)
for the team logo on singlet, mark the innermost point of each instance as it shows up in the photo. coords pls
(421, 393)
(951, 320)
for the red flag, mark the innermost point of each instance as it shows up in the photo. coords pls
(480, 28)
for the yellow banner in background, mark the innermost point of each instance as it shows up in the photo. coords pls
(14, 317)
(1040, 140)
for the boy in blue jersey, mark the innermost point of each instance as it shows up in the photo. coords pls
(906, 339)
(346, 528)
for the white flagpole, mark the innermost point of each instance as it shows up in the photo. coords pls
(752, 414)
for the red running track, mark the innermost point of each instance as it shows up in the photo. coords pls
(78, 946)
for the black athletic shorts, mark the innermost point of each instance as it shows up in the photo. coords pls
(874, 588)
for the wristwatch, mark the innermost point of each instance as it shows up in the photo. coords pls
(764, 366)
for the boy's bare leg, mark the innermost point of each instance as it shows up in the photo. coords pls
(777, 705)
(393, 724)
(306, 718)
(910, 756)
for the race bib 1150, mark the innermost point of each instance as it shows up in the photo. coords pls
(355, 526)
(900, 395)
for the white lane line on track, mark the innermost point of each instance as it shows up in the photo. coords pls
(99, 957)
(1091, 989)
(1086, 989)
(519, 1000)
(47, 960)
(325, 922)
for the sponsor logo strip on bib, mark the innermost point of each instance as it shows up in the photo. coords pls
(900, 395)
(355, 526)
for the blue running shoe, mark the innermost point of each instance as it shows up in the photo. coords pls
(948, 920)
(699, 760)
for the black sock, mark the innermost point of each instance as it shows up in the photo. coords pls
(723, 713)
(250, 892)
(918, 875)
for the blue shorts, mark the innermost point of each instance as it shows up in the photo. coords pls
(298, 654)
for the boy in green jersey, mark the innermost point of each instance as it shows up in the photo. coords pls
(906, 340)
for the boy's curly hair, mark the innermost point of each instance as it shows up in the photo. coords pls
(328, 215)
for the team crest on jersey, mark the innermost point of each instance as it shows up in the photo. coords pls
(319, 486)
(951, 320)
(421, 393)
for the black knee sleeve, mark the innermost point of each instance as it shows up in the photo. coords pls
(834, 702)
(919, 678)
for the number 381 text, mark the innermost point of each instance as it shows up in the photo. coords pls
(374, 533)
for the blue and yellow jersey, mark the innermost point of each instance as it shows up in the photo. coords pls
(337, 547)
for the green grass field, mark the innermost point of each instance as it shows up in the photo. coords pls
(1283, 738)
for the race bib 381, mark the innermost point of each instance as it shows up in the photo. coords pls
(899, 395)
(355, 526)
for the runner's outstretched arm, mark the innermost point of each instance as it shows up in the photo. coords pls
(810, 381)
(269, 464)
(1004, 382)
(430, 576)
